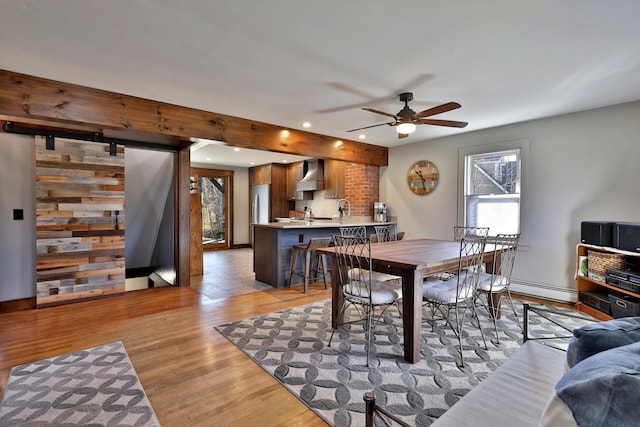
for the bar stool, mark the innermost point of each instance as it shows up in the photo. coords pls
(309, 250)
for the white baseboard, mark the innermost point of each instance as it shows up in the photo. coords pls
(548, 292)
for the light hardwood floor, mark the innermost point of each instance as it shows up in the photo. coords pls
(192, 375)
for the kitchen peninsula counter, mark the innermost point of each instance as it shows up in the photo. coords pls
(272, 244)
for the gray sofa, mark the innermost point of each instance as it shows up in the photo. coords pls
(516, 394)
(595, 383)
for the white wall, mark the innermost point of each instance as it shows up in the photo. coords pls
(17, 238)
(581, 167)
(240, 201)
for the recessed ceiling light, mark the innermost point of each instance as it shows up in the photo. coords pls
(362, 136)
(306, 125)
(236, 149)
(285, 161)
(252, 163)
(208, 158)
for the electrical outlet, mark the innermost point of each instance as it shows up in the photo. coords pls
(18, 214)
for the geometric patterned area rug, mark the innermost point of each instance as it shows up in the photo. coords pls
(292, 346)
(96, 387)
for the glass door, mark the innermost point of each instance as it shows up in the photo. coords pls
(215, 194)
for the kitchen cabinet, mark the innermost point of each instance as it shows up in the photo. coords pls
(280, 205)
(276, 176)
(260, 174)
(334, 175)
(295, 172)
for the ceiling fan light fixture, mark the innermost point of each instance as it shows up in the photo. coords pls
(406, 128)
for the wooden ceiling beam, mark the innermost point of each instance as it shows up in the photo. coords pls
(29, 97)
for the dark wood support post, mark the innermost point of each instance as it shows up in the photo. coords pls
(182, 223)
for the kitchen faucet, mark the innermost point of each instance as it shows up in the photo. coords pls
(345, 203)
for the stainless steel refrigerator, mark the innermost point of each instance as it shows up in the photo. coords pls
(260, 199)
(260, 195)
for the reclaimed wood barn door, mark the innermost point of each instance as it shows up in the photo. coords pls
(80, 227)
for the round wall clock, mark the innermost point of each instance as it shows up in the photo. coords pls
(422, 177)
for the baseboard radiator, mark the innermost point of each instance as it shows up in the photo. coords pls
(548, 292)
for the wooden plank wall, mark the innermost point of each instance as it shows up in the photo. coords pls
(80, 253)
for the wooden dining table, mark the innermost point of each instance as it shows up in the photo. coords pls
(411, 259)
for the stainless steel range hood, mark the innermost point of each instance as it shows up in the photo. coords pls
(313, 178)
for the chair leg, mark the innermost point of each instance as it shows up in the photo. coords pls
(493, 307)
(458, 332)
(474, 313)
(493, 303)
(294, 261)
(369, 332)
(333, 331)
(307, 269)
(513, 308)
(321, 260)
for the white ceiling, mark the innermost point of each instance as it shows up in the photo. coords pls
(289, 61)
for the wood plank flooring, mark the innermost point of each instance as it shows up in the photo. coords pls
(193, 376)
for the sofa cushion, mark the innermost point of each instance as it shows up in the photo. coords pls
(594, 338)
(602, 390)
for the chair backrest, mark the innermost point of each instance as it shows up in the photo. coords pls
(506, 249)
(460, 232)
(356, 231)
(319, 242)
(353, 256)
(471, 256)
(385, 233)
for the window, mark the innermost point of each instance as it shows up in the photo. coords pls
(492, 186)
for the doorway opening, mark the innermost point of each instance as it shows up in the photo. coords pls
(216, 190)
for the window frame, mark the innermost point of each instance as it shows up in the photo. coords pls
(495, 148)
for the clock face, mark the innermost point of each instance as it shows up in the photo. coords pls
(422, 177)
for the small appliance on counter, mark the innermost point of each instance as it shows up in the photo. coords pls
(379, 212)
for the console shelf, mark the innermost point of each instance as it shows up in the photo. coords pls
(588, 284)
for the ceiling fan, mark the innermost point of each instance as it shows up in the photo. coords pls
(407, 119)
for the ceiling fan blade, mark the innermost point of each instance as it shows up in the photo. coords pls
(372, 126)
(380, 112)
(402, 135)
(439, 109)
(449, 123)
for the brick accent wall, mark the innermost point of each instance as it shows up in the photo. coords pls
(362, 188)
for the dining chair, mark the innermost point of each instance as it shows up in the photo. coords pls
(460, 232)
(359, 287)
(356, 231)
(457, 293)
(361, 232)
(497, 283)
(386, 233)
